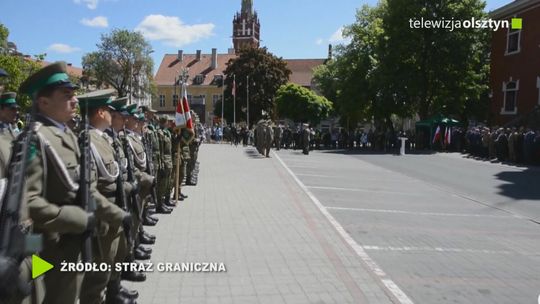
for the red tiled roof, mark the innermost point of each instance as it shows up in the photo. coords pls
(171, 67)
(302, 69)
(71, 70)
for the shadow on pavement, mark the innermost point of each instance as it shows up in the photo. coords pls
(520, 185)
(253, 153)
(377, 152)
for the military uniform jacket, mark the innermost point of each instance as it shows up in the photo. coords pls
(166, 147)
(139, 159)
(7, 130)
(152, 136)
(52, 181)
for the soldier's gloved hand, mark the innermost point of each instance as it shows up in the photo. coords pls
(135, 187)
(92, 223)
(9, 274)
(127, 222)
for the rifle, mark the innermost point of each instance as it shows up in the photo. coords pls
(133, 197)
(150, 167)
(15, 241)
(120, 190)
(87, 201)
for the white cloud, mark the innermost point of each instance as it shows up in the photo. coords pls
(91, 4)
(172, 31)
(62, 48)
(319, 41)
(337, 37)
(98, 21)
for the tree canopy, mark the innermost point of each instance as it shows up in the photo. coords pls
(122, 59)
(266, 74)
(302, 105)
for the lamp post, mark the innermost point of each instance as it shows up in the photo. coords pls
(222, 99)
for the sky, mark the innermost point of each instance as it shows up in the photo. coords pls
(68, 29)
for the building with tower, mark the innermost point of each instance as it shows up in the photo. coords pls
(205, 71)
(246, 27)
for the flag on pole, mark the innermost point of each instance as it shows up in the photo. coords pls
(437, 135)
(187, 116)
(448, 136)
(181, 120)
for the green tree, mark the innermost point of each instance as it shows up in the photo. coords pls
(266, 74)
(301, 104)
(122, 59)
(4, 33)
(433, 70)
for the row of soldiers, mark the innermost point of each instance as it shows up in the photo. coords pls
(83, 197)
(267, 134)
(505, 144)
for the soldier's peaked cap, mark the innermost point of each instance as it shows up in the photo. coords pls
(132, 109)
(145, 109)
(96, 99)
(8, 98)
(53, 75)
(119, 105)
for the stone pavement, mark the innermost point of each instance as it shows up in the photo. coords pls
(248, 213)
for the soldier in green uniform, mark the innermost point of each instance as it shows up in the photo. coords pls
(193, 146)
(99, 114)
(133, 133)
(164, 183)
(36, 285)
(116, 293)
(8, 114)
(53, 182)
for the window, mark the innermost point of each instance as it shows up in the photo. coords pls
(198, 79)
(175, 100)
(513, 39)
(215, 99)
(510, 89)
(161, 101)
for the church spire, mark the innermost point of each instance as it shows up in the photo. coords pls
(247, 7)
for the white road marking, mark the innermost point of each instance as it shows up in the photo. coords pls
(419, 213)
(317, 175)
(443, 250)
(388, 283)
(365, 190)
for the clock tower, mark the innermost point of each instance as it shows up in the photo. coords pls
(246, 27)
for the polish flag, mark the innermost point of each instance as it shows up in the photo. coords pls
(181, 117)
(437, 136)
(187, 112)
(448, 136)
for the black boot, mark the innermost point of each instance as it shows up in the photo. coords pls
(130, 294)
(163, 209)
(141, 255)
(144, 239)
(149, 221)
(145, 249)
(148, 235)
(133, 276)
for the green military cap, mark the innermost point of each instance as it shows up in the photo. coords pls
(96, 99)
(132, 109)
(119, 105)
(8, 99)
(139, 116)
(53, 75)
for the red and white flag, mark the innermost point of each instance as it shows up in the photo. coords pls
(448, 136)
(187, 112)
(437, 135)
(181, 119)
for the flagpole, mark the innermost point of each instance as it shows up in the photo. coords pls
(222, 99)
(247, 98)
(234, 101)
(178, 149)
